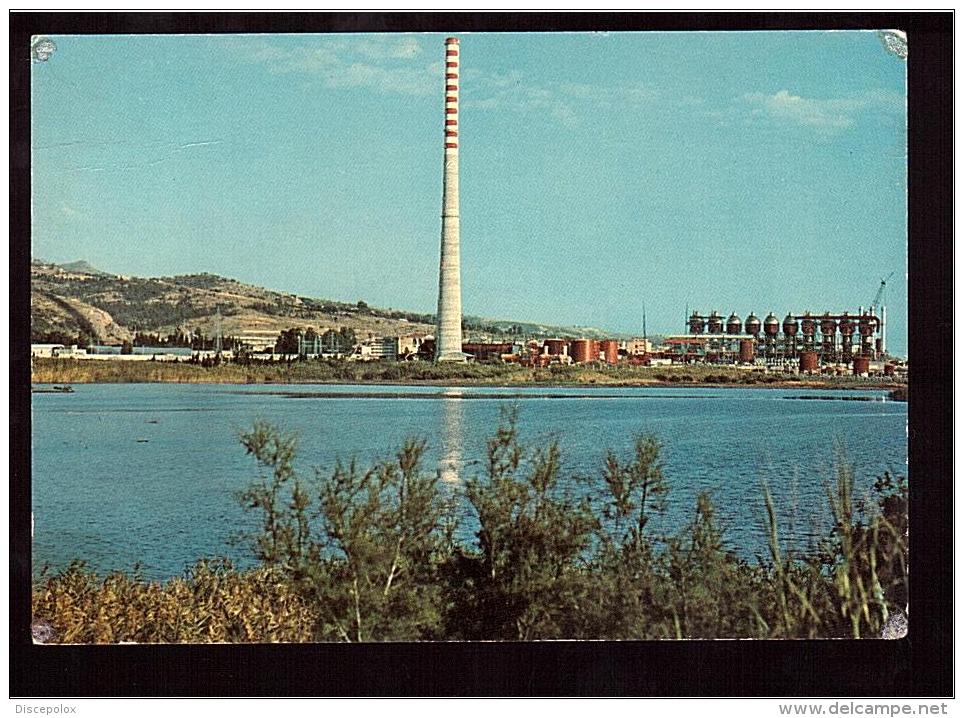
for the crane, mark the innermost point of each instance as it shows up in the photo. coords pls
(880, 292)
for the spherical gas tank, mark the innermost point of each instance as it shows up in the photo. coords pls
(771, 325)
(790, 326)
(714, 325)
(752, 325)
(733, 324)
(808, 325)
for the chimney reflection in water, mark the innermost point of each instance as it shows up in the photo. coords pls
(450, 463)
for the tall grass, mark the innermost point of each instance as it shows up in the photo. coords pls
(66, 371)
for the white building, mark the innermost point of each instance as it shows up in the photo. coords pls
(58, 351)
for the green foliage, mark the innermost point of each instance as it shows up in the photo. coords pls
(369, 564)
(382, 535)
(710, 592)
(524, 578)
(376, 554)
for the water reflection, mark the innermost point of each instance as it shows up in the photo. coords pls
(451, 431)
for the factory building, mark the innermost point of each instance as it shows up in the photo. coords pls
(58, 351)
(487, 351)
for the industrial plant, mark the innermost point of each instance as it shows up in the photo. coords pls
(804, 342)
(830, 342)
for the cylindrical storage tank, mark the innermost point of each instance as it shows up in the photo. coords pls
(583, 351)
(733, 324)
(696, 324)
(752, 325)
(861, 365)
(790, 326)
(610, 350)
(555, 347)
(808, 326)
(808, 362)
(771, 325)
(714, 325)
(746, 351)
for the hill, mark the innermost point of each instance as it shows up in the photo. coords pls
(78, 299)
(83, 267)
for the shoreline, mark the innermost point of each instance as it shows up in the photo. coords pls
(45, 372)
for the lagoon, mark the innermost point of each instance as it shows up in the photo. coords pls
(147, 474)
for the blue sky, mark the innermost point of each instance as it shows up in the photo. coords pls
(730, 171)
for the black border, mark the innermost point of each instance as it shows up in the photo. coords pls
(920, 665)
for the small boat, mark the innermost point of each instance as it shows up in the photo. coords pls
(53, 390)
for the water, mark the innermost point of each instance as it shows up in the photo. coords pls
(148, 473)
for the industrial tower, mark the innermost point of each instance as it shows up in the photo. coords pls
(448, 338)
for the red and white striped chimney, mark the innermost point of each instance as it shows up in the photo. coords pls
(448, 339)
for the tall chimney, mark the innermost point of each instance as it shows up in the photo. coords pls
(448, 339)
(883, 329)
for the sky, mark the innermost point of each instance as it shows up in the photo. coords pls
(759, 171)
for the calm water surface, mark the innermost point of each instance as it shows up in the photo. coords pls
(148, 473)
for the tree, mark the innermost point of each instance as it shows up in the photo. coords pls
(524, 581)
(348, 339)
(370, 562)
(287, 342)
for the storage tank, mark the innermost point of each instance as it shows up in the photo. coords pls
(746, 351)
(696, 324)
(610, 350)
(889, 369)
(808, 325)
(861, 365)
(555, 347)
(808, 362)
(733, 324)
(790, 326)
(714, 325)
(752, 324)
(771, 325)
(583, 351)
(866, 326)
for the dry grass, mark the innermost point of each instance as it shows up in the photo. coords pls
(212, 604)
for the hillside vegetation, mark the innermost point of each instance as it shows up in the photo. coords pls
(78, 300)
